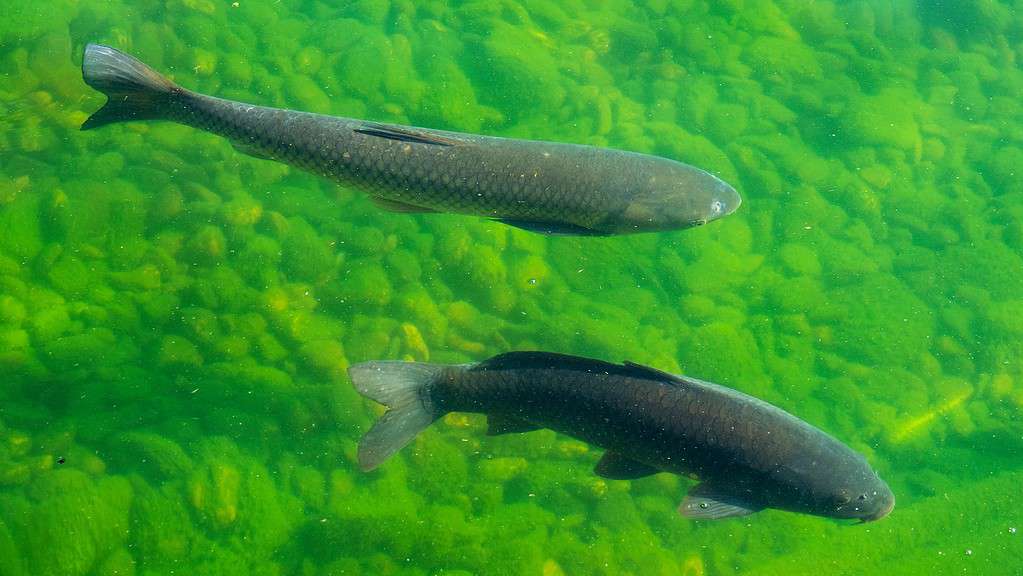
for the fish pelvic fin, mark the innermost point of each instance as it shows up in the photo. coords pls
(708, 502)
(404, 388)
(134, 90)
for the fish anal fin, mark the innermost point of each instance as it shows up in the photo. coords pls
(397, 206)
(706, 502)
(498, 424)
(250, 149)
(617, 466)
(552, 228)
(403, 134)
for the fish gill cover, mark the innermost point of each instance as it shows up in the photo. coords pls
(176, 318)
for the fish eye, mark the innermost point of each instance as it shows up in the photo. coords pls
(717, 207)
(861, 497)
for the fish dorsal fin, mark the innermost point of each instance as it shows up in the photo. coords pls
(707, 502)
(552, 228)
(555, 361)
(404, 134)
(617, 466)
(396, 206)
(654, 373)
(546, 360)
(498, 424)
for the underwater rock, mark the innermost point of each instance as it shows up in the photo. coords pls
(365, 284)
(885, 119)
(522, 73)
(883, 324)
(161, 457)
(20, 231)
(306, 256)
(48, 323)
(782, 60)
(799, 259)
(118, 563)
(62, 544)
(403, 266)
(162, 533)
(326, 358)
(529, 272)
(10, 559)
(417, 305)
(208, 245)
(304, 94)
(414, 344)
(89, 349)
(310, 486)
(501, 469)
(258, 260)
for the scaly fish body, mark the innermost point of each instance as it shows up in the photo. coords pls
(748, 454)
(541, 186)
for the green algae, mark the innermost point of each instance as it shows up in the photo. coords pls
(176, 318)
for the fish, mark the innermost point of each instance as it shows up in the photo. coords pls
(545, 187)
(748, 455)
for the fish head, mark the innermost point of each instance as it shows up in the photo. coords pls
(863, 497)
(675, 196)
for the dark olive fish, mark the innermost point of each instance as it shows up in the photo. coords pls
(747, 454)
(540, 186)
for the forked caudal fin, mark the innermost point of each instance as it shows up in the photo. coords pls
(134, 90)
(404, 388)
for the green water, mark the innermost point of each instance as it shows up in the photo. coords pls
(176, 318)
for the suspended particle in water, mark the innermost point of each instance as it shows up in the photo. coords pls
(61, 460)
(969, 552)
(1012, 529)
(532, 281)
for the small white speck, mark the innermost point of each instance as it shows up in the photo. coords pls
(969, 552)
(1012, 530)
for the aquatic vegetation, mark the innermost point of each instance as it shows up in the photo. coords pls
(176, 318)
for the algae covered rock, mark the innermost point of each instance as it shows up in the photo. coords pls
(885, 119)
(523, 73)
(73, 522)
(233, 493)
(161, 457)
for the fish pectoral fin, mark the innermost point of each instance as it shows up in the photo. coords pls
(396, 206)
(403, 134)
(705, 502)
(552, 228)
(617, 466)
(250, 149)
(498, 424)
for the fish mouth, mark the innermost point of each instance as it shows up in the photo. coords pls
(880, 513)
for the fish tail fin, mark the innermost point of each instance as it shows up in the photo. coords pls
(134, 90)
(404, 388)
